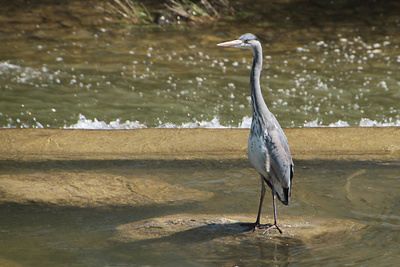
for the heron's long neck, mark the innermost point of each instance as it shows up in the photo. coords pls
(257, 100)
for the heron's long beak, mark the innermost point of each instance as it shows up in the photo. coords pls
(231, 43)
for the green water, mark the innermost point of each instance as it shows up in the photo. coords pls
(54, 69)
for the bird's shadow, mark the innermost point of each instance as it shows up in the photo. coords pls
(213, 242)
(224, 232)
(210, 232)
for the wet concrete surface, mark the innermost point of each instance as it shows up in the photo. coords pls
(305, 143)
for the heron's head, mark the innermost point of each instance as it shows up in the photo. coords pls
(246, 41)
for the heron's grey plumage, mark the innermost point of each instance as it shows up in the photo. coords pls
(268, 148)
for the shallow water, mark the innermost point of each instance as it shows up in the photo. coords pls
(83, 233)
(68, 68)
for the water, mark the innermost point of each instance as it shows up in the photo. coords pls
(59, 70)
(55, 73)
(87, 229)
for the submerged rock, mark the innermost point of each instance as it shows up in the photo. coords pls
(92, 190)
(231, 229)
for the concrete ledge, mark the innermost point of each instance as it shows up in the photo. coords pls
(381, 143)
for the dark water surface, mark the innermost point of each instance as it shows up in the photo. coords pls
(331, 63)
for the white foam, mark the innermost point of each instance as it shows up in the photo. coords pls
(314, 123)
(246, 123)
(339, 123)
(364, 122)
(215, 123)
(8, 66)
(84, 123)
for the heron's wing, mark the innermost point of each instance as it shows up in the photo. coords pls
(280, 158)
(280, 163)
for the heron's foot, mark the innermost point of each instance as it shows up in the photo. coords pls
(265, 227)
(273, 226)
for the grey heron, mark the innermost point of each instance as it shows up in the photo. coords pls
(268, 148)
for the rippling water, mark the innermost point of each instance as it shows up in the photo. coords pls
(69, 77)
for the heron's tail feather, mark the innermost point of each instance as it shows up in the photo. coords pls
(283, 193)
(286, 196)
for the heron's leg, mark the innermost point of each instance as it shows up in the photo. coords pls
(275, 225)
(257, 223)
